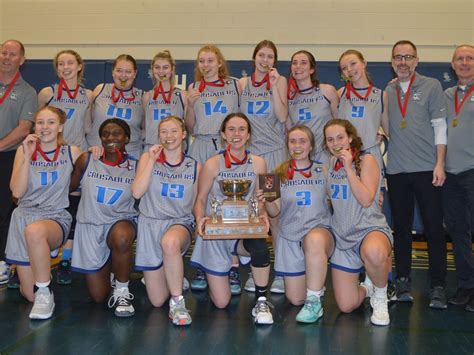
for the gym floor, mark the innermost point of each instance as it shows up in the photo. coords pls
(80, 327)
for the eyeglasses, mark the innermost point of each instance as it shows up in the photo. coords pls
(407, 57)
(467, 59)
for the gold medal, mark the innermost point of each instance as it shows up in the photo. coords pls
(403, 124)
(455, 122)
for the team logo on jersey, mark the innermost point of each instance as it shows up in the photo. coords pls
(318, 169)
(416, 96)
(188, 164)
(13, 96)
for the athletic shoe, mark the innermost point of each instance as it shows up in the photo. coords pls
(368, 285)
(64, 274)
(14, 282)
(178, 312)
(5, 271)
(234, 281)
(250, 284)
(380, 314)
(121, 301)
(185, 283)
(438, 298)
(461, 297)
(261, 312)
(278, 285)
(199, 281)
(391, 291)
(470, 305)
(43, 307)
(311, 311)
(403, 286)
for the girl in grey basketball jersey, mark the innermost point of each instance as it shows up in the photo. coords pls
(70, 96)
(40, 225)
(215, 256)
(304, 242)
(122, 100)
(362, 236)
(106, 229)
(211, 97)
(164, 99)
(310, 103)
(166, 183)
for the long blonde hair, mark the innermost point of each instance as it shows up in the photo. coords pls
(223, 69)
(62, 120)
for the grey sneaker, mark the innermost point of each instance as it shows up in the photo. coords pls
(438, 298)
(5, 271)
(178, 312)
(278, 285)
(43, 307)
(261, 312)
(250, 284)
(403, 286)
(380, 314)
(368, 285)
(121, 301)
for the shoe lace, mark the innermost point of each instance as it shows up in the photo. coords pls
(121, 298)
(310, 304)
(263, 306)
(41, 299)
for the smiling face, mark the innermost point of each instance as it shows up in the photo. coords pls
(11, 58)
(352, 67)
(67, 66)
(301, 68)
(48, 125)
(264, 59)
(162, 70)
(236, 132)
(463, 64)
(171, 134)
(404, 61)
(209, 65)
(299, 144)
(337, 139)
(113, 137)
(124, 74)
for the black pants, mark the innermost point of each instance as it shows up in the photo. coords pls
(458, 201)
(6, 202)
(404, 189)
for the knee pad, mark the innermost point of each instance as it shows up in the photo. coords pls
(259, 253)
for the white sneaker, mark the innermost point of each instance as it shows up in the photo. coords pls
(261, 312)
(121, 301)
(178, 312)
(185, 283)
(369, 286)
(380, 314)
(5, 271)
(43, 307)
(278, 285)
(250, 284)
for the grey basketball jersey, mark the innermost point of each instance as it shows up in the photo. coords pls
(48, 182)
(171, 191)
(158, 109)
(243, 171)
(106, 195)
(350, 221)
(311, 108)
(303, 203)
(213, 105)
(268, 134)
(76, 110)
(131, 112)
(460, 153)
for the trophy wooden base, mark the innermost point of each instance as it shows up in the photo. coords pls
(236, 230)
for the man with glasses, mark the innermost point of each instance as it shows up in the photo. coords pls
(415, 168)
(459, 186)
(18, 103)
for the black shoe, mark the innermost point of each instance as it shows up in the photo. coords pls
(14, 281)
(64, 275)
(403, 286)
(391, 291)
(470, 305)
(461, 297)
(438, 298)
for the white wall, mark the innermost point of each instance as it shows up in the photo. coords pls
(103, 29)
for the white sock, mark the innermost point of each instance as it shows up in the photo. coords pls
(43, 285)
(380, 292)
(314, 293)
(119, 284)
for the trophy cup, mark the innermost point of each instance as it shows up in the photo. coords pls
(238, 219)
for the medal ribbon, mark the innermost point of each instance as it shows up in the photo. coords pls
(10, 87)
(43, 154)
(159, 89)
(63, 86)
(292, 168)
(162, 159)
(458, 105)
(340, 164)
(202, 85)
(266, 79)
(350, 88)
(120, 95)
(229, 158)
(403, 108)
(117, 161)
(293, 89)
